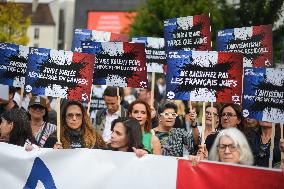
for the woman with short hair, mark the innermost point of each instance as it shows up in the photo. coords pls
(173, 139)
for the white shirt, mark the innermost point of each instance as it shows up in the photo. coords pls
(107, 129)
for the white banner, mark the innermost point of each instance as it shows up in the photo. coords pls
(83, 169)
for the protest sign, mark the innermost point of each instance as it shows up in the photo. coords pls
(263, 95)
(96, 104)
(254, 42)
(4, 92)
(13, 64)
(155, 53)
(120, 64)
(188, 33)
(59, 73)
(83, 35)
(205, 76)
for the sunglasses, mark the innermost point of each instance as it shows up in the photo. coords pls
(71, 116)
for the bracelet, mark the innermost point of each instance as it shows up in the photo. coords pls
(194, 126)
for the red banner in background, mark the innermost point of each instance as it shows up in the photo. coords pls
(115, 22)
(220, 176)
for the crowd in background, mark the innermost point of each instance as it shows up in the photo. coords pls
(136, 124)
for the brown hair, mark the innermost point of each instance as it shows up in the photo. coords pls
(238, 109)
(148, 123)
(90, 137)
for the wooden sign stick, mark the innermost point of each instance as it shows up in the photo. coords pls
(272, 145)
(58, 119)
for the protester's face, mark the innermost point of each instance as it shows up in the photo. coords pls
(74, 117)
(208, 116)
(168, 117)
(111, 103)
(265, 124)
(228, 151)
(251, 122)
(229, 118)
(37, 111)
(139, 112)
(5, 128)
(143, 94)
(118, 137)
(161, 82)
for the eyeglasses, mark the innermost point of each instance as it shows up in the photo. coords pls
(223, 147)
(209, 113)
(71, 116)
(167, 114)
(228, 115)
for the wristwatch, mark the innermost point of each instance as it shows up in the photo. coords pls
(194, 125)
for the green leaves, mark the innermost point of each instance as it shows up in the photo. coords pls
(13, 24)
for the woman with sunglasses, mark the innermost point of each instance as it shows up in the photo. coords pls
(141, 111)
(75, 130)
(39, 122)
(173, 139)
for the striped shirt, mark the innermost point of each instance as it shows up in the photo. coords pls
(44, 132)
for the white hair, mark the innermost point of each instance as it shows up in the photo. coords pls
(239, 139)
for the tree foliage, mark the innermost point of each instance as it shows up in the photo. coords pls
(244, 13)
(13, 24)
(150, 17)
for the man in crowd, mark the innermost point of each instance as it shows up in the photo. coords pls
(113, 110)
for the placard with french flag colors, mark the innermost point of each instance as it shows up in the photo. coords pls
(188, 33)
(155, 53)
(59, 73)
(254, 42)
(119, 64)
(263, 96)
(204, 76)
(84, 35)
(104, 169)
(13, 64)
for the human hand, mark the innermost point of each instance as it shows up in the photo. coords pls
(31, 147)
(191, 116)
(202, 152)
(195, 160)
(281, 145)
(139, 152)
(58, 145)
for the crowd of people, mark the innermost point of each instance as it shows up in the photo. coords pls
(142, 126)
